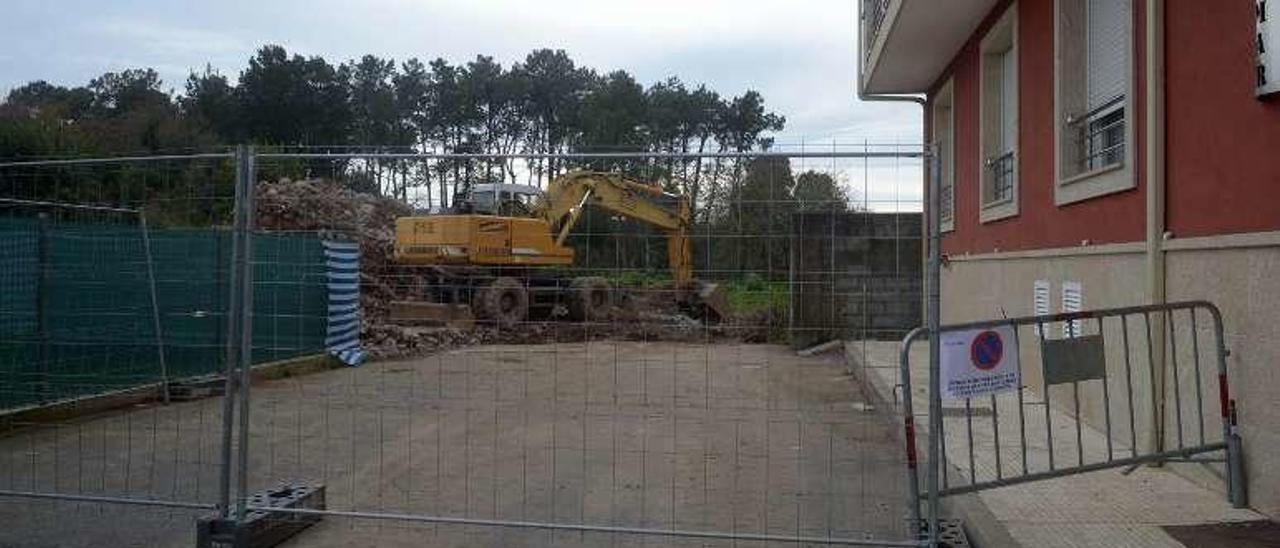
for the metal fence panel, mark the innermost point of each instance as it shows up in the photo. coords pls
(113, 292)
(1093, 396)
(641, 426)
(114, 300)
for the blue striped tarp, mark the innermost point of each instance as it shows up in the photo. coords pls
(343, 339)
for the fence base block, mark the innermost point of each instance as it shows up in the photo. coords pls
(950, 533)
(262, 529)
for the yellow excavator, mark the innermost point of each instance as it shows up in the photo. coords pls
(496, 258)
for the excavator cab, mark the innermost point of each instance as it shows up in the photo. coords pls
(504, 199)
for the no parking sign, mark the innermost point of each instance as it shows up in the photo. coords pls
(979, 362)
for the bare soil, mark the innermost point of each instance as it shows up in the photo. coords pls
(658, 435)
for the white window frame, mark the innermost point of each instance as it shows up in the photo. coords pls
(943, 112)
(1002, 38)
(1071, 185)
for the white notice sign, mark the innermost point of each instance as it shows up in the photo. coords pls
(979, 362)
(1268, 46)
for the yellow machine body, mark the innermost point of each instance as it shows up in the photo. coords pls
(478, 240)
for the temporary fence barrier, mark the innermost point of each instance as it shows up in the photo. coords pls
(641, 425)
(1039, 397)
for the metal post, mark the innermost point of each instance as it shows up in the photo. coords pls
(933, 320)
(232, 337)
(42, 307)
(1235, 461)
(246, 178)
(1236, 493)
(155, 307)
(909, 429)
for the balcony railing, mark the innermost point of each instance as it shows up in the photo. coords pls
(1001, 169)
(1100, 136)
(873, 14)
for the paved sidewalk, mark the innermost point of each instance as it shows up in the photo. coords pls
(1104, 508)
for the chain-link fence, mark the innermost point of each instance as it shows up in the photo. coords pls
(553, 349)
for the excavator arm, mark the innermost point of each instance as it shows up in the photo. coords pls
(566, 198)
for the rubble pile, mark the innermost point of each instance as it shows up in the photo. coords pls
(387, 341)
(319, 205)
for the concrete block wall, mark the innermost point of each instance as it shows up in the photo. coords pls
(855, 275)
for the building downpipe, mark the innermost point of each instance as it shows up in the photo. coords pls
(1155, 206)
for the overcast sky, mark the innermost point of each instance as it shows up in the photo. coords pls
(800, 53)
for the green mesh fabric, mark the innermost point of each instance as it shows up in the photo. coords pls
(76, 313)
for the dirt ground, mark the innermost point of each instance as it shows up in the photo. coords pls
(704, 437)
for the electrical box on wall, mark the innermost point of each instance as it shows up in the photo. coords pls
(1268, 64)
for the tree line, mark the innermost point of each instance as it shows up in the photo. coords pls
(544, 104)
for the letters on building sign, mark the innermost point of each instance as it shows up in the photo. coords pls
(1268, 64)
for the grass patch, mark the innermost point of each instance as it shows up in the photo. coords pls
(747, 294)
(753, 293)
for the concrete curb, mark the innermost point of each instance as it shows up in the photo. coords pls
(980, 524)
(16, 419)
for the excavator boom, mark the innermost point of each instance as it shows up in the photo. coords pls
(569, 195)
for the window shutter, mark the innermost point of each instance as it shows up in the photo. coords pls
(1108, 55)
(1072, 301)
(1008, 101)
(1040, 300)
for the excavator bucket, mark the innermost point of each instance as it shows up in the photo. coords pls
(710, 302)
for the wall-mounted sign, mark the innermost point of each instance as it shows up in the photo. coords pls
(979, 362)
(1268, 47)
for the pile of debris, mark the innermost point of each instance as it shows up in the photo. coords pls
(319, 205)
(387, 341)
